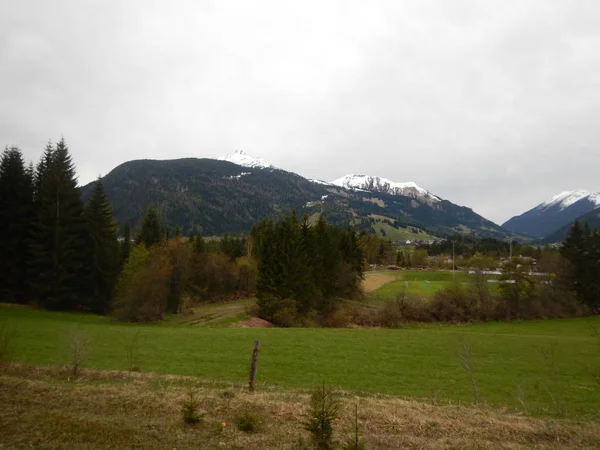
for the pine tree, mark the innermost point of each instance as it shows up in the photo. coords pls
(103, 250)
(573, 250)
(16, 209)
(126, 244)
(58, 243)
(151, 232)
(582, 249)
(42, 168)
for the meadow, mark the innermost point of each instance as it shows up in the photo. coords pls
(539, 367)
(422, 284)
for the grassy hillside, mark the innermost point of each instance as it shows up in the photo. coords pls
(400, 233)
(542, 367)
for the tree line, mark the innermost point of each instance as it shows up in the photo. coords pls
(60, 253)
(56, 251)
(303, 270)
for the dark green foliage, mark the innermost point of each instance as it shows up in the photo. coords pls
(324, 409)
(151, 231)
(203, 195)
(103, 250)
(58, 237)
(232, 247)
(16, 213)
(42, 168)
(126, 243)
(582, 250)
(303, 269)
(248, 421)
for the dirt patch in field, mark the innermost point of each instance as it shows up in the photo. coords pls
(376, 279)
(254, 322)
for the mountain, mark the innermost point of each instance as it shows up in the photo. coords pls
(548, 217)
(385, 186)
(592, 219)
(204, 195)
(230, 194)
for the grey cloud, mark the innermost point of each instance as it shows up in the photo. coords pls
(488, 104)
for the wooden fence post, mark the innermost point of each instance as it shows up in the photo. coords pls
(253, 365)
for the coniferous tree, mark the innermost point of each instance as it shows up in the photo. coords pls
(199, 244)
(126, 244)
(303, 268)
(42, 168)
(16, 210)
(582, 249)
(151, 231)
(58, 244)
(103, 251)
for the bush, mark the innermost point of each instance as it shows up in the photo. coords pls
(144, 286)
(281, 312)
(453, 304)
(248, 421)
(7, 334)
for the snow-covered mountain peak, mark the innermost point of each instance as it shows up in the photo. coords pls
(595, 198)
(383, 185)
(241, 158)
(567, 198)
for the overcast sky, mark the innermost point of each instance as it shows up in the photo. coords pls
(490, 104)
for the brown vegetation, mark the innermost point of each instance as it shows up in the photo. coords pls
(103, 409)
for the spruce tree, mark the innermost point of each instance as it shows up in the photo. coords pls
(126, 244)
(58, 243)
(103, 251)
(151, 231)
(16, 209)
(42, 168)
(582, 249)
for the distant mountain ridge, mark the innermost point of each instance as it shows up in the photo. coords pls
(592, 219)
(557, 212)
(230, 194)
(385, 186)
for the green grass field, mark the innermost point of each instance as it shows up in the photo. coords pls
(542, 367)
(420, 283)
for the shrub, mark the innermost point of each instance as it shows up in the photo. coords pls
(189, 408)
(144, 286)
(78, 350)
(453, 304)
(324, 409)
(7, 334)
(281, 312)
(249, 421)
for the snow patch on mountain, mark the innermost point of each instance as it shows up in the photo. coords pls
(241, 158)
(383, 185)
(595, 198)
(233, 177)
(568, 198)
(325, 183)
